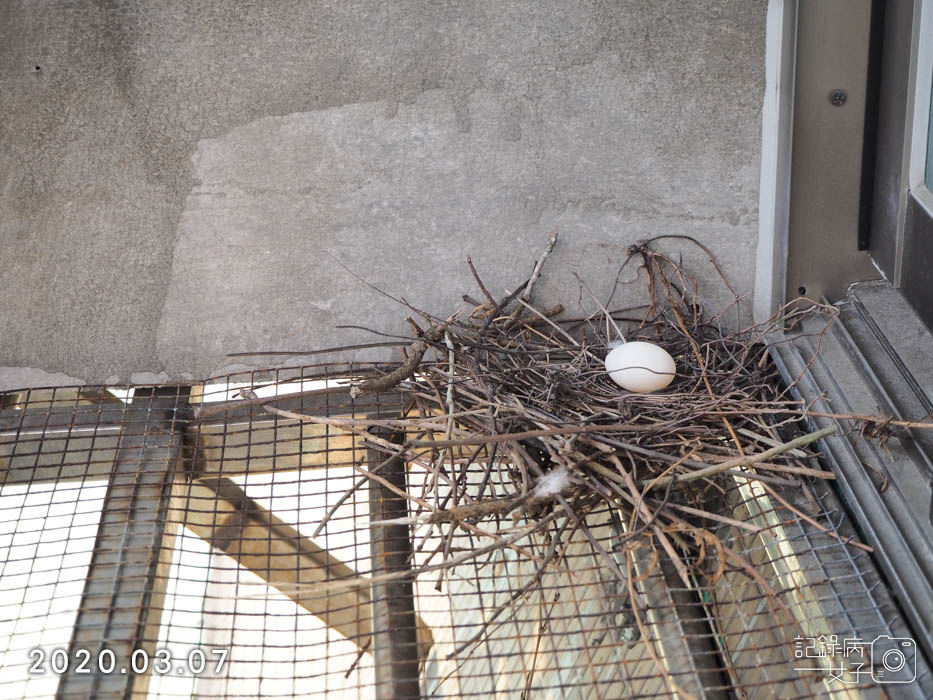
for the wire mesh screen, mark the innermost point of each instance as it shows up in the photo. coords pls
(184, 542)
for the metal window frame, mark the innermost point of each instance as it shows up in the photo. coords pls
(818, 161)
(829, 151)
(819, 226)
(902, 218)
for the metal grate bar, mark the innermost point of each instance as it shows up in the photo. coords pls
(395, 642)
(127, 574)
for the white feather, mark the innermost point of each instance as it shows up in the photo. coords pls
(551, 484)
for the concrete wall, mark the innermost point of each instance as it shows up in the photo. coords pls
(176, 176)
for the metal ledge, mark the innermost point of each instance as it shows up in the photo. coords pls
(854, 372)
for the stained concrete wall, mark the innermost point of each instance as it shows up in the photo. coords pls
(178, 178)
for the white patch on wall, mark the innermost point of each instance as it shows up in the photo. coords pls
(403, 199)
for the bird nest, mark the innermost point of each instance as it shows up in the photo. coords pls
(520, 385)
(521, 432)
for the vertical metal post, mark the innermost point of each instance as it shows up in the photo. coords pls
(826, 150)
(122, 600)
(395, 643)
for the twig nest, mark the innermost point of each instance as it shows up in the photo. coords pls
(640, 367)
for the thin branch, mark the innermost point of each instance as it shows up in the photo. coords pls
(539, 265)
(747, 460)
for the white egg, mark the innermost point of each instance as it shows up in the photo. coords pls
(640, 367)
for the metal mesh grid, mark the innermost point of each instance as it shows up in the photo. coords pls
(176, 527)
